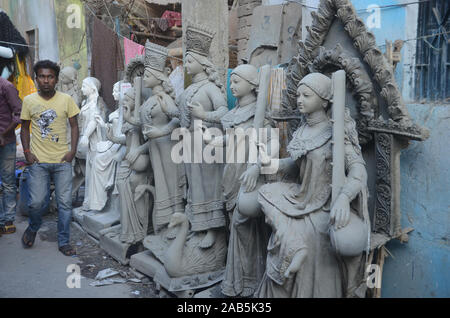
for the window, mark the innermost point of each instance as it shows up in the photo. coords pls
(433, 59)
(33, 55)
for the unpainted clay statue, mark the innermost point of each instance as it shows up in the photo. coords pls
(302, 261)
(203, 100)
(133, 177)
(157, 127)
(90, 135)
(248, 234)
(68, 83)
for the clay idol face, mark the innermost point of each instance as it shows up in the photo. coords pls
(308, 101)
(239, 87)
(150, 80)
(116, 91)
(86, 89)
(192, 66)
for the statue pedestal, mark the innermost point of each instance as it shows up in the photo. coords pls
(121, 252)
(95, 221)
(150, 263)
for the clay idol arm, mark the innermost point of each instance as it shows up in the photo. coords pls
(169, 107)
(357, 174)
(219, 105)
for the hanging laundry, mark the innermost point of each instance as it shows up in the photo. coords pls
(132, 49)
(163, 24)
(277, 85)
(107, 59)
(22, 81)
(173, 18)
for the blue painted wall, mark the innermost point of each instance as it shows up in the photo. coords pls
(419, 268)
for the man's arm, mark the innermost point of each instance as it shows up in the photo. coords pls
(25, 138)
(15, 105)
(74, 133)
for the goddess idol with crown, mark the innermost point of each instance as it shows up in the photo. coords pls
(203, 100)
(157, 127)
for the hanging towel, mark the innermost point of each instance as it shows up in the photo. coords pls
(132, 49)
(107, 59)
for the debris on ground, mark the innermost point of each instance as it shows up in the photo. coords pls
(108, 272)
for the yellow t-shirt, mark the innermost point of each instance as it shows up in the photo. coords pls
(49, 124)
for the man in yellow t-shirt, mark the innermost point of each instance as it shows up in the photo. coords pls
(49, 156)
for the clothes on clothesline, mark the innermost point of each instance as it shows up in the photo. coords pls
(132, 49)
(171, 19)
(107, 59)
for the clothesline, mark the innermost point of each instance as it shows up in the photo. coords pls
(120, 35)
(19, 44)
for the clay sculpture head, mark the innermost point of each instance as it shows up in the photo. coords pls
(68, 75)
(314, 93)
(90, 86)
(244, 80)
(155, 73)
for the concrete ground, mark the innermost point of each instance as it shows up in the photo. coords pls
(41, 271)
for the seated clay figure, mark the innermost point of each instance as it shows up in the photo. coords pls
(241, 181)
(300, 259)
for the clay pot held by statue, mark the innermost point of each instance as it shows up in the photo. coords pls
(141, 164)
(352, 239)
(248, 204)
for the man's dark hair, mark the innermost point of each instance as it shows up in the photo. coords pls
(46, 64)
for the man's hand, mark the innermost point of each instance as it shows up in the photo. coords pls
(31, 158)
(68, 157)
(2, 140)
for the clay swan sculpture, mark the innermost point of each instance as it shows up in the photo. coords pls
(185, 257)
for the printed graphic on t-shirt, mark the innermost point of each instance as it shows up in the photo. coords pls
(46, 118)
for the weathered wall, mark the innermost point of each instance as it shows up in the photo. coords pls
(72, 35)
(30, 14)
(61, 29)
(214, 15)
(420, 268)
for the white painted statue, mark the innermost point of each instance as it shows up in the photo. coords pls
(91, 135)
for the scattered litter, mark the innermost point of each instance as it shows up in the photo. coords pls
(104, 257)
(79, 243)
(108, 281)
(123, 274)
(103, 282)
(136, 274)
(118, 280)
(136, 292)
(90, 265)
(134, 280)
(109, 272)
